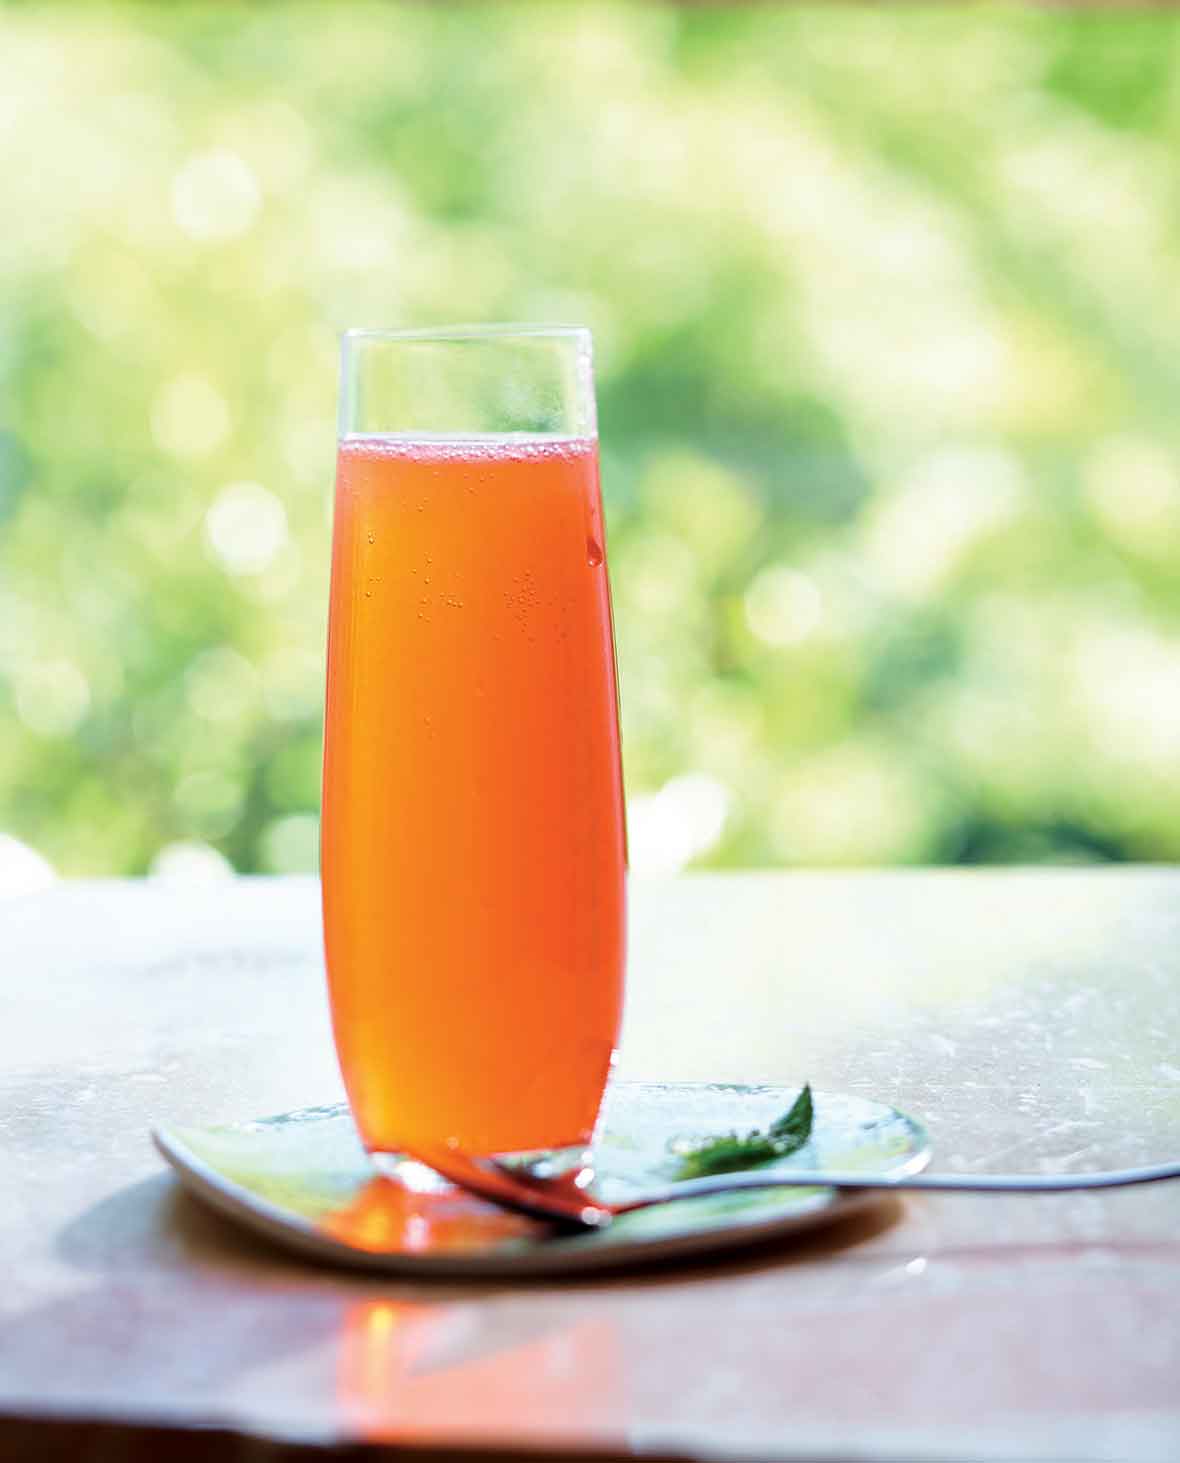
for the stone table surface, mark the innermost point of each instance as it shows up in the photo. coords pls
(1032, 1018)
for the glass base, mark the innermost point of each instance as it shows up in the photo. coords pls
(550, 1163)
(409, 1173)
(421, 1179)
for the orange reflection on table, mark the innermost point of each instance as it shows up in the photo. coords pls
(387, 1217)
(411, 1370)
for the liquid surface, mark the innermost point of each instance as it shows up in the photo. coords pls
(473, 843)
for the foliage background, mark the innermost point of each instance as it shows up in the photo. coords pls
(887, 318)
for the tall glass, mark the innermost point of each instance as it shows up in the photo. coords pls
(473, 846)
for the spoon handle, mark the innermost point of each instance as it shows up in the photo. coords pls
(960, 1183)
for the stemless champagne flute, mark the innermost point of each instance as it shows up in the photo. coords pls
(473, 845)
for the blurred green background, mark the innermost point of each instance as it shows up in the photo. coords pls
(888, 336)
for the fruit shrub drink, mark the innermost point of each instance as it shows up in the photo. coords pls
(473, 835)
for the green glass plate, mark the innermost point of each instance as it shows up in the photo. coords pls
(303, 1180)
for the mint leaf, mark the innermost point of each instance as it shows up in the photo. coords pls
(729, 1152)
(725, 1154)
(794, 1127)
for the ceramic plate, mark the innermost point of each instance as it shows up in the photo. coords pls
(302, 1180)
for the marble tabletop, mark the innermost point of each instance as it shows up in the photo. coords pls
(1031, 1018)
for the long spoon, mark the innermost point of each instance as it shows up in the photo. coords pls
(565, 1198)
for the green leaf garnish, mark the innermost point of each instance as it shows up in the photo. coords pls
(794, 1127)
(730, 1151)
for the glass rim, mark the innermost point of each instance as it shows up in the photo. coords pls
(507, 331)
